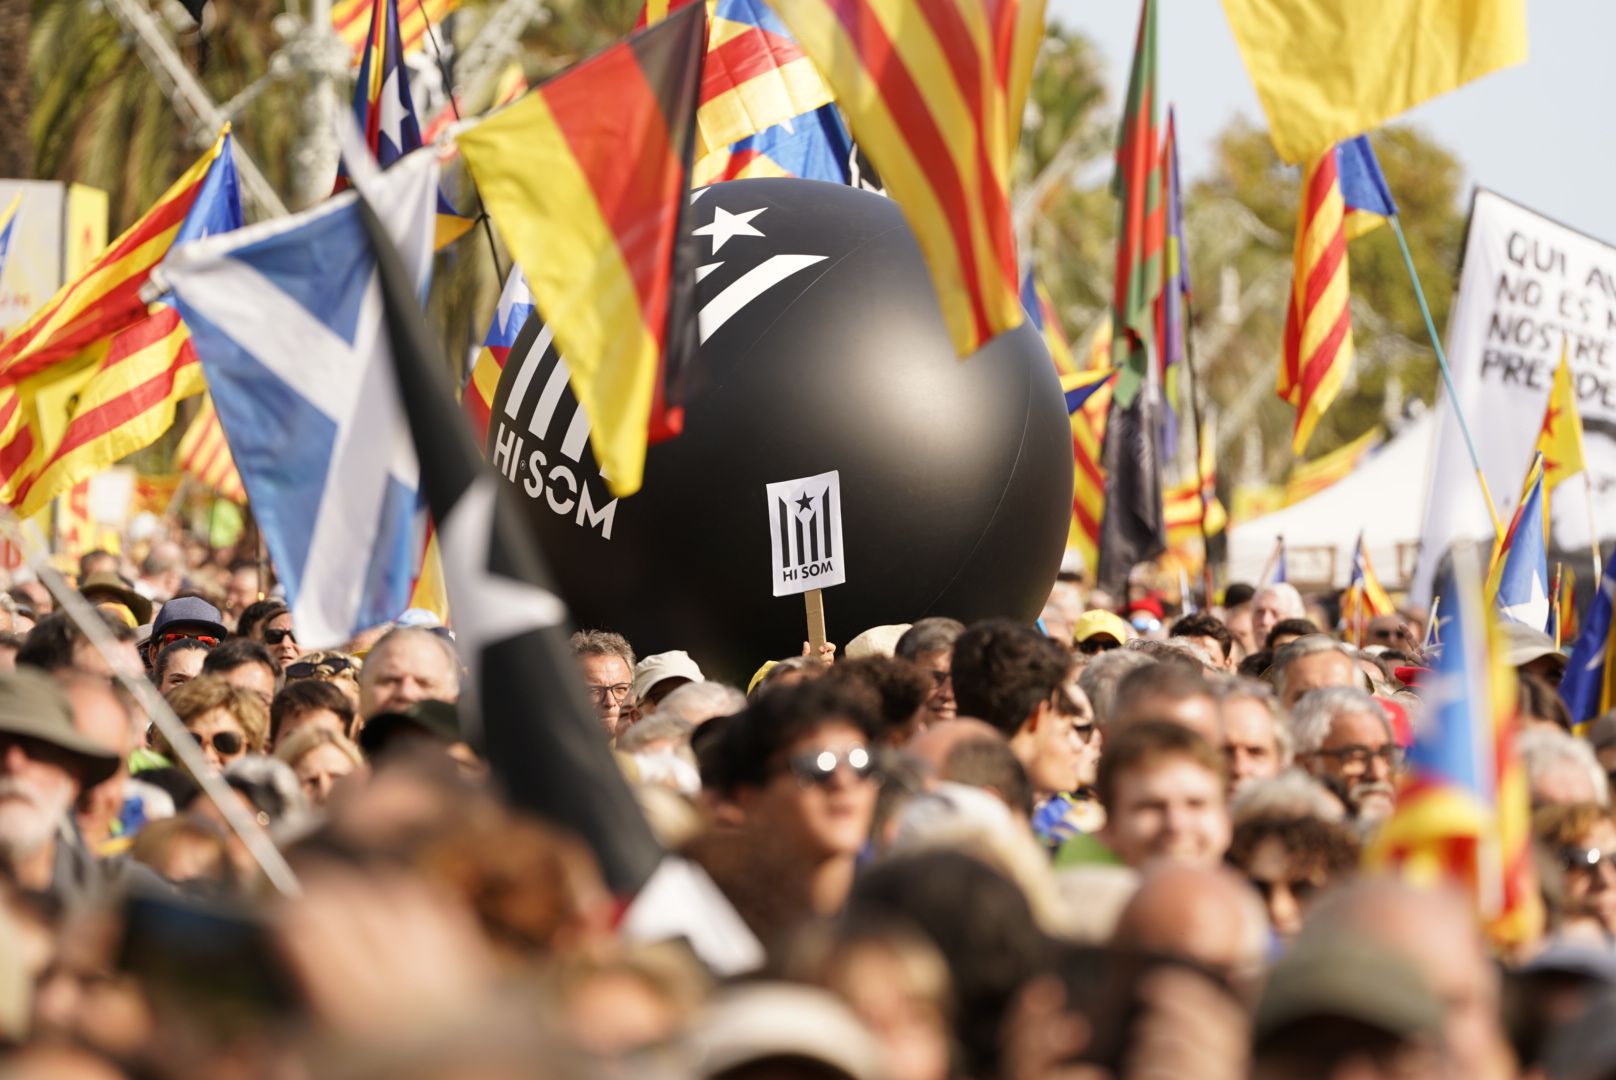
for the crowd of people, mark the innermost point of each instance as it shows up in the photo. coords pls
(1125, 841)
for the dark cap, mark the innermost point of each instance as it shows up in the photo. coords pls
(189, 611)
(33, 706)
(1351, 981)
(438, 720)
(105, 585)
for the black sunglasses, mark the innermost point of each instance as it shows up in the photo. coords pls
(278, 635)
(227, 743)
(815, 768)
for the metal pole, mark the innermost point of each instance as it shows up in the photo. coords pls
(1447, 373)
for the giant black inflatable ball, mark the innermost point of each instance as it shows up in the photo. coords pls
(823, 349)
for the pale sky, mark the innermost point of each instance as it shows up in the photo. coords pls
(1540, 133)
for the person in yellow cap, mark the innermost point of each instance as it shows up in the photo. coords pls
(1098, 630)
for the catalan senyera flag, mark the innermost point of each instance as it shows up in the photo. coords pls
(756, 77)
(95, 374)
(934, 92)
(1326, 70)
(352, 17)
(385, 111)
(1559, 440)
(1343, 195)
(204, 454)
(587, 177)
(1187, 505)
(1463, 814)
(1088, 440)
(1308, 478)
(1364, 597)
(514, 309)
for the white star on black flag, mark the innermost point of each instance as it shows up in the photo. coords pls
(537, 729)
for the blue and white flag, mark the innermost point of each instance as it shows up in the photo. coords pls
(1523, 580)
(286, 317)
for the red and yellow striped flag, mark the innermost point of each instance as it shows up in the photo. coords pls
(934, 92)
(1187, 505)
(1343, 196)
(204, 454)
(95, 374)
(1088, 437)
(351, 19)
(587, 178)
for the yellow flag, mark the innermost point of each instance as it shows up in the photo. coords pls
(1560, 438)
(1327, 70)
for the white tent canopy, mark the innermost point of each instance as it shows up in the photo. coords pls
(1384, 497)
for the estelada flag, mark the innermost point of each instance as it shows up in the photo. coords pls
(586, 179)
(1326, 70)
(934, 92)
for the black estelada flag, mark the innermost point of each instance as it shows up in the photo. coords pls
(1132, 528)
(526, 701)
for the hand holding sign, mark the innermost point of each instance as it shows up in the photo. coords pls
(805, 535)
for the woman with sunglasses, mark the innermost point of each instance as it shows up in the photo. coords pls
(329, 666)
(1582, 839)
(275, 631)
(228, 723)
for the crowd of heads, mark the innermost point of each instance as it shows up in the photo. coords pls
(1128, 841)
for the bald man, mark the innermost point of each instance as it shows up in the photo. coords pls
(1204, 913)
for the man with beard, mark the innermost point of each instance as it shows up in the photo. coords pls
(44, 764)
(1343, 735)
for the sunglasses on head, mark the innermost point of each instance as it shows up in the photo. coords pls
(276, 636)
(226, 743)
(309, 669)
(815, 768)
(179, 635)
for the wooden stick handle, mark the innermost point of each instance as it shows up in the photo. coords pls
(814, 600)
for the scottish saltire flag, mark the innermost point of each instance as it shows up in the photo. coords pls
(286, 317)
(1589, 683)
(814, 146)
(8, 222)
(1463, 814)
(1521, 570)
(385, 112)
(515, 308)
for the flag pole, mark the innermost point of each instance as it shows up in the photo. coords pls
(454, 107)
(1430, 623)
(1554, 603)
(1447, 373)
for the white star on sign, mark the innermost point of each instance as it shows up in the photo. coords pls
(726, 225)
(487, 609)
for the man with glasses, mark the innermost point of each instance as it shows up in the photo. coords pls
(1344, 737)
(606, 662)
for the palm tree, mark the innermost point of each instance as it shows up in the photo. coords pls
(16, 151)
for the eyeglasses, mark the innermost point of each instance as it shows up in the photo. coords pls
(225, 743)
(617, 692)
(276, 636)
(1590, 859)
(815, 768)
(179, 635)
(309, 669)
(1358, 757)
(1097, 644)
